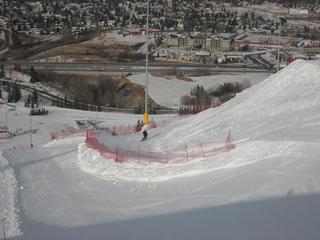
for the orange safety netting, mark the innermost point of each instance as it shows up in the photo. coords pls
(189, 152)
(63, 133)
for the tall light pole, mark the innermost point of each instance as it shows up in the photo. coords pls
(280, 29)
(278, 65)
(7, 113)
(30, 122)
(146, 116)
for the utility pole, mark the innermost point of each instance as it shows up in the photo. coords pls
(280, 29)
(146, 116)
(278, 66)
(30, 122)
(7, 113)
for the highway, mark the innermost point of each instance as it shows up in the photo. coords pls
(125, 68)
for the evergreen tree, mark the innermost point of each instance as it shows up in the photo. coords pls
(34, 75)
(65, 100)
(17, 93)
(2, 71)
(35, 97)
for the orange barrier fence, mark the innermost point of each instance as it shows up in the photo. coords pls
(189, 152)
(60, 134)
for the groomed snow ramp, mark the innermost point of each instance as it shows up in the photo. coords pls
(276, 119)
(287, 99)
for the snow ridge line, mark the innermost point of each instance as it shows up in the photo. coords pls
(200, 150)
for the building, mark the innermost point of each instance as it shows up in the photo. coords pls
(258, 42)
(172, 40)
(197, 40)
(141, 32)
(183, 40)
(200, 41)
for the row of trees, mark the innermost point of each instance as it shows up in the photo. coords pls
(201, 97)
(32, 99)
(14, 93)
(140, 109)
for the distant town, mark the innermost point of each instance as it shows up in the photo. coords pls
(182, 31)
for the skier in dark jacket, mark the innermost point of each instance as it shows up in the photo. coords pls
(144, 131)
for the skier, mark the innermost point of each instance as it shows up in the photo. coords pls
(138, 126)
(144, 131)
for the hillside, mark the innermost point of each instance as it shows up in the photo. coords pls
(266, 188)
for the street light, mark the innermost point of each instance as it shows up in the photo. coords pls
(146, 116)
(282, 20)
(30, 121)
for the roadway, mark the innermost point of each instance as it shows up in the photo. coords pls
(124, 68)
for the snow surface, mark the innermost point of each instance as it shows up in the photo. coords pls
(9, 225)
(17, 76)
(168, 91)
(266, 188)
(114, 37)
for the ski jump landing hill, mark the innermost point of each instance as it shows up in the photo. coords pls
(267, 187)
(273, 118)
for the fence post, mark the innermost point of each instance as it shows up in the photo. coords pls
(187, 152)
(128, 154)
(167, 155)
(117, 154)
(201, 148)
(229, 141)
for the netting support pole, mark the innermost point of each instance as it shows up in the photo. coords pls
(187, 152)
(117, 154)
(167, 155)
(201, 149)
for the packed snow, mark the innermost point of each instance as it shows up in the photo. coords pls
(9, 223)
(266, 188)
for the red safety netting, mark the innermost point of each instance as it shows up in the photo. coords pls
(189, 152)
(131, 129)
(63, 133)
(114, 130)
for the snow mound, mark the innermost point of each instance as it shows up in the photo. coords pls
(287, 100)
(273, 119)
(93, 163)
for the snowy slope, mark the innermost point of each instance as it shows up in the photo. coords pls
(114, 37)
(266, 188)
(284, 102)
(168, 91)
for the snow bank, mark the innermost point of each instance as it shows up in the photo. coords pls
(270, 120)
(9, 222)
